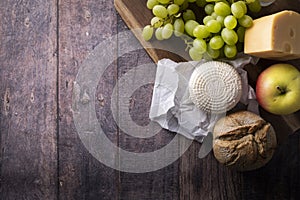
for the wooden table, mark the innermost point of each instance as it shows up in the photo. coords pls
(42, 46)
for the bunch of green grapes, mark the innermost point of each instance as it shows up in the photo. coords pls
(220, 33)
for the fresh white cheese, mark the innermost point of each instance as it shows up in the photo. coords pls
(275, 36)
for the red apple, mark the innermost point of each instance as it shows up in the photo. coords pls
(278, 89)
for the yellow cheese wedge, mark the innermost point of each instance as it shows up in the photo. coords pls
(274, 36)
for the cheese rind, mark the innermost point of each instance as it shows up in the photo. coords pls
(274, 36)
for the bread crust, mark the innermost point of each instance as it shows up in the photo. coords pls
(244, 140)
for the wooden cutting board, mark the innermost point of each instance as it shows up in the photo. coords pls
(136, 16)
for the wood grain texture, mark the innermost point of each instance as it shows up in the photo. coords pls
(160, 184)
(83, 25)
(42, 46)
(28, 100)
(206, 178)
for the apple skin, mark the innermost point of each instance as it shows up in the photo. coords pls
(278, 89)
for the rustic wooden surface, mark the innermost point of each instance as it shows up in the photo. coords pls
(28, 111)
(42, 46)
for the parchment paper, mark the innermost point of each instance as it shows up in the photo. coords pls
(172, 108)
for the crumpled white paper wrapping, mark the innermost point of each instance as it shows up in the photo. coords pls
(172, 108)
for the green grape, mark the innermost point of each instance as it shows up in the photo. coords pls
(192, 1)
(167, 31)
(200, 45)
(250, 1)
(216, 42)
(156, 22)
(188, 15)
(229, 36)
(254, 6)
(222, 55)
(201, 3)
(178, 27)
(151, 3)
(209, 9)
(230, 22)
(213, 26)
(190, 26)
(179, 2)
(243, 5)
(220, 19)
(246, 21)
(158, 33)
(222, 9)
(230, 51)
(212, 53)
(173, 9)
(214, 1)
(201, 31)
(195, 54)
(214, 15)
(147, 32)
(163, 1)
(207, 19)
(185, 5)
(241, 33)
(205, 56)
(160, 11)
(237, 9)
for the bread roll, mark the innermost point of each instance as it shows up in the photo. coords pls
(244, 140)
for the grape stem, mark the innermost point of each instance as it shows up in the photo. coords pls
(188, 41)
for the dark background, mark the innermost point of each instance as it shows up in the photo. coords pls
(42, 45)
